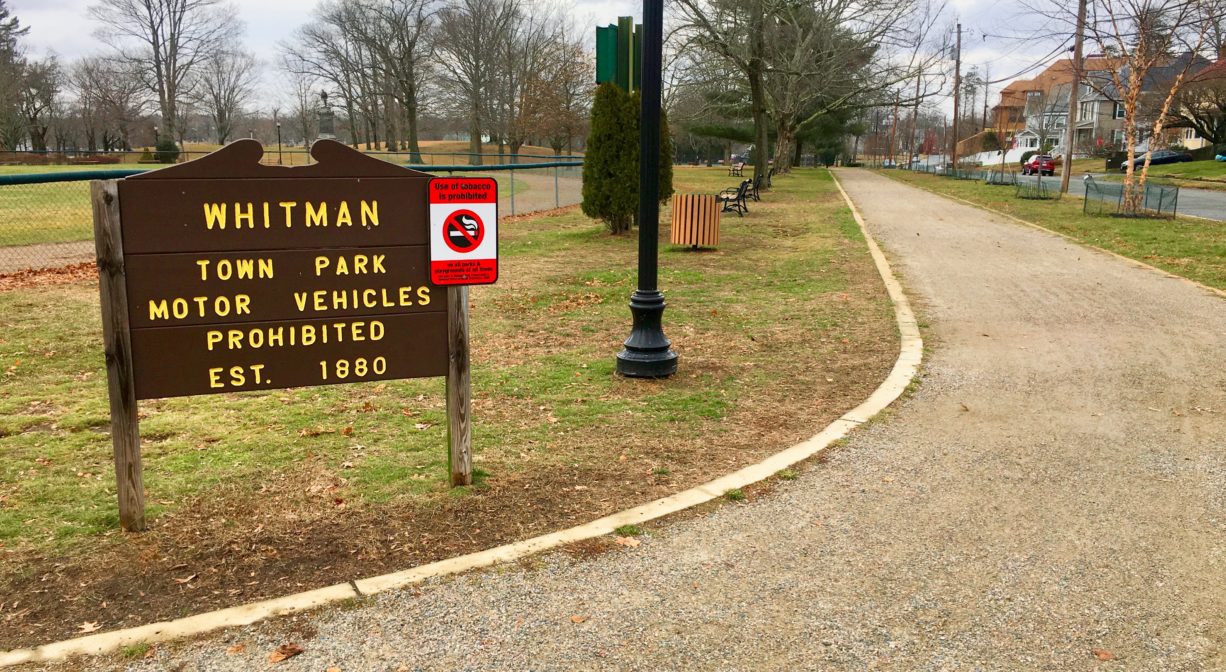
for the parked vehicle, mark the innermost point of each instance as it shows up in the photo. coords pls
(1156, 159)
(1040, 164)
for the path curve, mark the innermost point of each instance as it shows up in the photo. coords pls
(1053, 496)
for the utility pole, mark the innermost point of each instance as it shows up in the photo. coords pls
(894, 133)
(877, 134)
(1070, 129)
(987, 86)
(953, 152)
(914, 117)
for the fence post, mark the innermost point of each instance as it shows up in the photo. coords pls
(557, 199)
(512, 191)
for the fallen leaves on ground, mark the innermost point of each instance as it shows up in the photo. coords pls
(48, 276)
(89, 626)
(577, 618)
(1102, 654)
(284, 651)
(235, 649)
(629, 542)
(187, 579)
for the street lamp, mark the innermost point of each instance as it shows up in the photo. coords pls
(648, 352)
(279, 143)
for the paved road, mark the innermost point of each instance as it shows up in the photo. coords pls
(1199, 202)
(1053, 494)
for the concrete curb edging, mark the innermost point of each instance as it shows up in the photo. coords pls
(905, 368)
(1071, 239)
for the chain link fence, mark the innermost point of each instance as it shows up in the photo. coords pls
(46, 222)
(285, 155)
(1107, 198)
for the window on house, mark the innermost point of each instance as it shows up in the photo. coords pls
(1087, 111)
(1117, 137)
(1119, 111)
(1189, 134)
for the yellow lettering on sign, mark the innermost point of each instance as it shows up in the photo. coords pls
(306, 335)
(423, 296)
(342, 215)
(158, 310)
(370, 213)
(215, 215)
(240, 215)
(317, 217)
(288, 207)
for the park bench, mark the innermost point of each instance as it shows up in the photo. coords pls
(756, 187)
(695, 220)
(736, 169)
(735, 199)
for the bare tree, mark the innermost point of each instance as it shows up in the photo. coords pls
(41, 83)
(1152, 46)
(227, 82)
(301, 87)
(474, 62)
(832, 57)
(735, 30)
(1201, 105)
(397, 32)
(166, 40)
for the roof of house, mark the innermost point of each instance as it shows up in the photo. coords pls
(1215, 71)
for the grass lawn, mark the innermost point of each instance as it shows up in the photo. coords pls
(780, 330)
(1190, 175)
(1192, 248)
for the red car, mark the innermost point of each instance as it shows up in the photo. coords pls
(1039, 164)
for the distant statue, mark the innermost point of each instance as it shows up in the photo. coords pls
(327, 120)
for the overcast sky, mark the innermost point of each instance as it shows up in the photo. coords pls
(64, 26)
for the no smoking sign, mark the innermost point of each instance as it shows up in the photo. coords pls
(463, 231)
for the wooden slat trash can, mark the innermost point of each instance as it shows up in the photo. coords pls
(695, 220)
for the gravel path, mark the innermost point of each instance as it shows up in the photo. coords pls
(1054, 494)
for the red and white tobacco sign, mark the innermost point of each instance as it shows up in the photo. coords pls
(463, 230)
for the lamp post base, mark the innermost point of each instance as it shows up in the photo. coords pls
(647, 352)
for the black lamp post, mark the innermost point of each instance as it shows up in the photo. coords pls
(648, 352)
(279, 143)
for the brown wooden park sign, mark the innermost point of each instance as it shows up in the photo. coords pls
(226, 275)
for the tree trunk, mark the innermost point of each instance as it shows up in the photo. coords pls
(784, 139)
(410, 123)
(474, 139)
(757, 91)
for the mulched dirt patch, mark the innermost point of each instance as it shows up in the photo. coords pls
(43, 277)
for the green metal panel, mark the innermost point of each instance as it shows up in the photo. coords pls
(625, 42)
(636, 59)
(606, 54)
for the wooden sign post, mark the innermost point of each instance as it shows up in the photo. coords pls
(226, 275)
